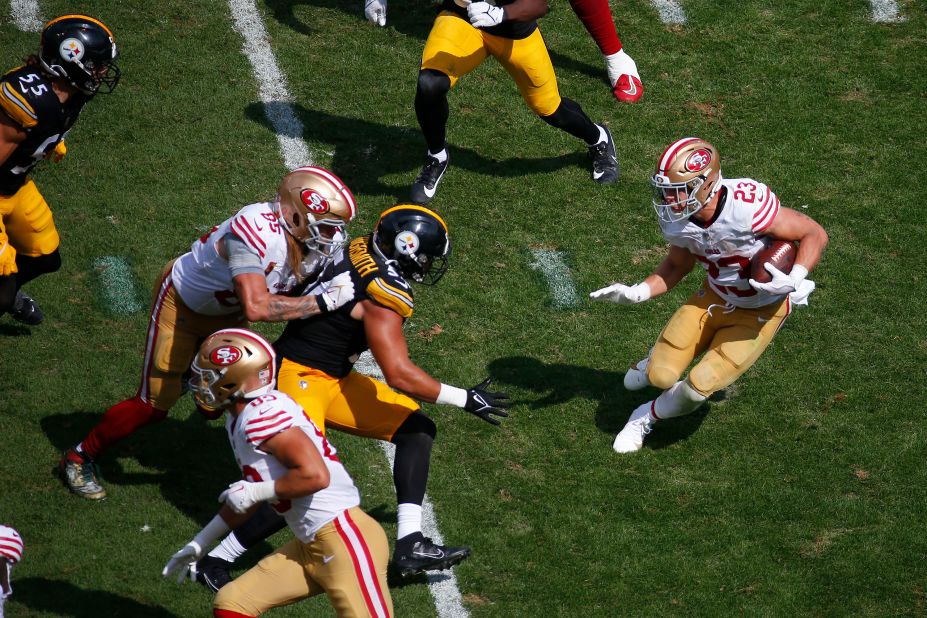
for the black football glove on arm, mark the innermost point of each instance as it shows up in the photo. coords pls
(484, 403)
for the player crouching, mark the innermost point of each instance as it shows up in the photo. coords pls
(285, 460)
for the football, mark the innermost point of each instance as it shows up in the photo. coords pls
(779, 253)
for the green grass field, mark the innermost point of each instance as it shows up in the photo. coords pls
(802, 491)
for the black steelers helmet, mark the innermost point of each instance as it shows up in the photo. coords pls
(81, 50)
(416, 240)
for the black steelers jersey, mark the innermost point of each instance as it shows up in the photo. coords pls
(332, 342)
(507, 29)
(27, 98)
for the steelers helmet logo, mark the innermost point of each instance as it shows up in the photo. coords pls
(71, 49)
(407, 243)
(314, 201)
(698, 160)
(225, 355)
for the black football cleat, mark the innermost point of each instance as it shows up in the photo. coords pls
(416, 554)
(604, 159)
(426, 183)
(213, 572)
(26, 310)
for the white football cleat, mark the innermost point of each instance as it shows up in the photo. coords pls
(631, 438)
(636, 377)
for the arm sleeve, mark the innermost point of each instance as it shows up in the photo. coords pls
(242, 259)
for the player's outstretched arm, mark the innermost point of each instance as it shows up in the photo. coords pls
(383, 328)
(676, 265)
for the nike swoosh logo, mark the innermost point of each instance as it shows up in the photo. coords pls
(431, 192)
(436, 554)
(596, 175)
(762, 320)
(327, 559)
(632, 90)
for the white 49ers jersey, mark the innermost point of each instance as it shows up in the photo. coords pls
(725, 246)
(202, 276)
(261, 420)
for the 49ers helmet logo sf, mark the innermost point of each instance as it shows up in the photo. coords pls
(225, 355)
(314, 201)
(698, 160)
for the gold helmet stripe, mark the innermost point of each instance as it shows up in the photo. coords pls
(427, 211)
(85, 18)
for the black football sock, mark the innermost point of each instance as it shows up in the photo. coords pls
(571, 118)
(413, 442)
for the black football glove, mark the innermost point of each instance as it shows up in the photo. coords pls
(484, 404)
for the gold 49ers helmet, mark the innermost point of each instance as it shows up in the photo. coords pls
(314, 205)
(416, 240)
(688, 175)
(81, 50)
(231, 364)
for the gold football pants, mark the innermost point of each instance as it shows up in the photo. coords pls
(26, 226)
(346, 560)
(175, 333)
(455, 48)
(356, 404)
(731, 338)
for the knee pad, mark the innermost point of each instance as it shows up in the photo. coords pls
(432, 83)
(662, 376)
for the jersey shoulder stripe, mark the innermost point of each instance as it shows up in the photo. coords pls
(17, 107)
(262, 428)
(766, 213)
(391, 296)
(244, 230)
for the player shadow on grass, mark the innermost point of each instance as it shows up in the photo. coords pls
(559, 383)
(409, 17)
(365, 152)
(62, 598)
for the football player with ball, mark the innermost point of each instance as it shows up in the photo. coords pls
(721, 224)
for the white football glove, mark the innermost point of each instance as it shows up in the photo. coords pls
(802, 292)
(375, 11)
(781, 283)
(337, 293)
(242, 495)
(485, 15)
(623, 294)
(182, 561)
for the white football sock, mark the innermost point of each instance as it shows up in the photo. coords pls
(618, 64)
(408, 519)
(440, 156)
(678, 400)
(229, 549)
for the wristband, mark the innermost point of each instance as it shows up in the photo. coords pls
(264, 491)
(451, 395)
(798, 273)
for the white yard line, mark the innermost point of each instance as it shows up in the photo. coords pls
(885, 11)
(25, 14)
(670, 11)
(289, 130)
(271, 84)
(117, 285)
(443, 585)
(558, 276)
